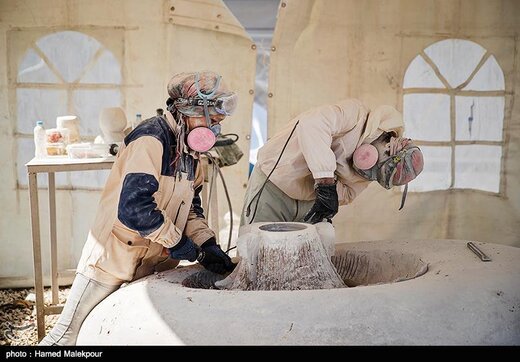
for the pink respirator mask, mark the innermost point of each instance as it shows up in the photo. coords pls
(202, 139)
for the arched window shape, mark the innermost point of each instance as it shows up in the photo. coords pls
(64, 73)
(454, 99)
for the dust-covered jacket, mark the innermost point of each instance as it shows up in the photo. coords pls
(322, 145)
(144, 208)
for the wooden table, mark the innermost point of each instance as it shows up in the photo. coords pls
(50, 166)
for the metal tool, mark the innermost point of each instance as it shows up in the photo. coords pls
(477, 251)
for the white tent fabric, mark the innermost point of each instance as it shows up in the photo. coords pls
(457, 93)
(421, 74)
(136, 45)
(455, 59)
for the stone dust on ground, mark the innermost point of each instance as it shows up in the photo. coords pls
(18, 315)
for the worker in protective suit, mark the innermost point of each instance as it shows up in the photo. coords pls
(150, 215)
(324, 158)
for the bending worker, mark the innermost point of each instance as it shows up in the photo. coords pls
(324, 158)
(150, 209)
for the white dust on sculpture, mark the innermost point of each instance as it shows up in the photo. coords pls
(284, 256)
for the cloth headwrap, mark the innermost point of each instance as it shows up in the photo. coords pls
(184, 86)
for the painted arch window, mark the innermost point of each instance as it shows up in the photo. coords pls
(454, 100)
(64, 73)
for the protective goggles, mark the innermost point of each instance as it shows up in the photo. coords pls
(223, 105)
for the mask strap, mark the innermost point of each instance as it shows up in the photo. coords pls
(206, 112)
(212, 93)
(403, 199)
(206, 96)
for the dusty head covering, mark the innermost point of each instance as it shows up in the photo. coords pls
(184, 89)
(382, 119)
(403, 164)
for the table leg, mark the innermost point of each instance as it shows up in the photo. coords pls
(37, 255)
(54, 243)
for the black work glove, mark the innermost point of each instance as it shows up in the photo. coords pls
(326, 204)
(214, 259)
(185, 249)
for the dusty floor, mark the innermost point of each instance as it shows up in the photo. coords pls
(18, 315)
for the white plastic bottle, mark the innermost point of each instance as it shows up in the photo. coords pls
(40, 151)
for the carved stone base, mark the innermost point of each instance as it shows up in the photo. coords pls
(283, 256)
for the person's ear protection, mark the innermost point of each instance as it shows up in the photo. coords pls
(365, 156)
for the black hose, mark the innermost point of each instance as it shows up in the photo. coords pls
(248, 210)
(227, 197)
